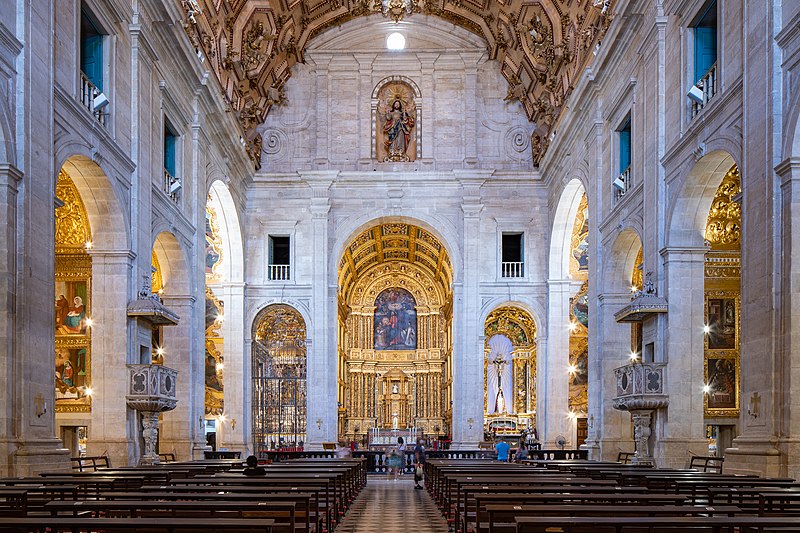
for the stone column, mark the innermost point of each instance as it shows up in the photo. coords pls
(321, 376)
(323, 116)
(235, 382)
(114, 427)
(468, 349)
(609, 428)
(552, 398)
(769, 410)
(680, 428)
(180, 428)
(427, 62)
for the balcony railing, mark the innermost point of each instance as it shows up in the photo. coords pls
(279, 272)
(171, 186)
(513, 270)
(88, 94)
(621, 184)
(708, 85)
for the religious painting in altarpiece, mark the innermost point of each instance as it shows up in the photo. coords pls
(722, 299)
(72, 300)
(214, 312)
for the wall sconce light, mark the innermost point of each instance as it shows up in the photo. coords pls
(470, 422)
(755, 401)
(706, 329)
(319, 423)
(706, 388)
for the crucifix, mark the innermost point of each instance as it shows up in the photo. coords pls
(499, 399)
(755, 401)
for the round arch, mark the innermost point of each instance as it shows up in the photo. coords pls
(441, 228)
(172, 260)
(563, 222)
(533, 309)
(689, 208)
(256, 312)
(107, 217)
(620, 261)
(230, 232)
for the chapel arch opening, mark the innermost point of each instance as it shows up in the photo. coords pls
(509, 373)
(395, 335)
(278, 379)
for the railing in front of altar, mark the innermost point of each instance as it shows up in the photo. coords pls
(377, 459)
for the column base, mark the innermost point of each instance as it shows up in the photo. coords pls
(677, 453)
(762, 456)
(33, 457)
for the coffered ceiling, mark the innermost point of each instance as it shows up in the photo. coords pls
(541, 45)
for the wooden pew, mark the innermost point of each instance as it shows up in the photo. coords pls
(282, 512)
(499, 518)
(621, 524)
(169, 524)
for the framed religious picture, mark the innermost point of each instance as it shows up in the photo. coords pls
(722, 377)
(72, 374)
(72, 306)
(722, 316)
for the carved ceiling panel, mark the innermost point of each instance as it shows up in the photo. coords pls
(542, 46)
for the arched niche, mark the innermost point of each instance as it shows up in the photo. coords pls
(396, 120)
(278, 378)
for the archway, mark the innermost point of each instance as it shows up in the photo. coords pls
(681, 428)
(395, 346)
(509, 372)
(564, 398)
(90, 256)
(279, 379)
(174, 346)
(224, 320)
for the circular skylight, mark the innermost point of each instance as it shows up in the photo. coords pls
(395, 41)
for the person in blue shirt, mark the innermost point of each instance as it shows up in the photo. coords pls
(502, 450)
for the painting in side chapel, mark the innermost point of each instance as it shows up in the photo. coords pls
(72, 300)
(396, 123)
(395, 320)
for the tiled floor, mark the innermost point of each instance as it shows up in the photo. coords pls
(389, 506)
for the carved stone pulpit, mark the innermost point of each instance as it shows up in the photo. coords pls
(151, 391)
(640, 390)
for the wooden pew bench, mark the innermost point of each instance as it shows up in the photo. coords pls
(168, 524)
(499, 518)
(654, 524)
(283, 513)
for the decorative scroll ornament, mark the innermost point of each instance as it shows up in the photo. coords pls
(396, 9)
(723, 229)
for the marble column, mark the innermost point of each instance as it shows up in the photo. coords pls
(552, 399)
(609, 428)
(235, 382)
(113, 428)
(181, 430)
(321, 375)
(769, 439)
(680, 428)
(468, 349)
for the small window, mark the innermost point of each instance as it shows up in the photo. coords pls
(625, 146)
(279, 256)
(91, 50)
(705, 41)
(513, 262)
(170, 141)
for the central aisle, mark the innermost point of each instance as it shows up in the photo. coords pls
(389, 506)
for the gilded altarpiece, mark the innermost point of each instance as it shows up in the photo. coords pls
(722, 299)
(394, 376)
(214, 315)
(579, 313)
(509, 370)
(73, 285)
